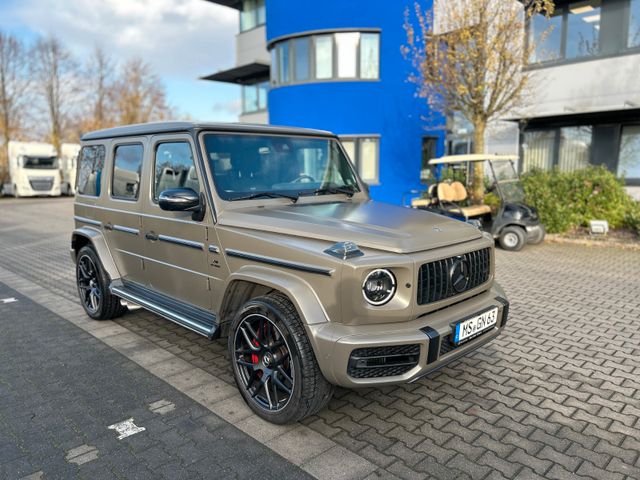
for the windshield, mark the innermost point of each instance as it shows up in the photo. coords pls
(253, 166)
(508, 181)
(39, 162)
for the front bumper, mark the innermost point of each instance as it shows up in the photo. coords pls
(424, 341)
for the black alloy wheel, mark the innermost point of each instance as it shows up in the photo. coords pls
(264, 364)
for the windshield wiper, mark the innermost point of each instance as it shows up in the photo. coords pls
(347, 190)
(252, 196)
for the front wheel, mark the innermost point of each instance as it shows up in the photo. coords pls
(273, 363)
(512, 238)
(93, 287)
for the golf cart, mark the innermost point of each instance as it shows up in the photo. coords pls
(511, 221)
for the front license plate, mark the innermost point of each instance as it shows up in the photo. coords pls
(475, 325)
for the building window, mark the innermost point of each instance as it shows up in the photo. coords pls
(546, 35)
(584, 30)
(538, 150)
(610, 143)
(301, 59)
(364, 152)
(629, 158)
(337, 56)
(633, 36)
(127, 168)
(324, 56)
(254, 97)
(252, 15)
(575, 148)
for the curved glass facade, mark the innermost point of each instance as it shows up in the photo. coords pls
(326, 56)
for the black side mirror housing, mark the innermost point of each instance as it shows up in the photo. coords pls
(183, 200)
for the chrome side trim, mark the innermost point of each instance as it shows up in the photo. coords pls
(169, 315)
(163, 263)
(132, 231)
(214, 249)
(87, 220)
(303, 267)
(181, 241)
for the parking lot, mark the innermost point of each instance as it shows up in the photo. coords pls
(556, 396)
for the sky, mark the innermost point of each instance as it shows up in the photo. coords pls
(181, 39)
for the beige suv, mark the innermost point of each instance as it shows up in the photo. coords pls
(266, 235)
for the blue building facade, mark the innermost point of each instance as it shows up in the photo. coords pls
(356, 85)
(337, 65)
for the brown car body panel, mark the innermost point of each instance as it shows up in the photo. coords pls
(272, 244)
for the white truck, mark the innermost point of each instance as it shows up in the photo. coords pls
(68, 167)
(34, 170)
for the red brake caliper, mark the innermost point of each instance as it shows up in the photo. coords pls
(254, 357)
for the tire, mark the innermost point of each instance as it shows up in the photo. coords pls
(540, 234)
(296, 376)
(93, 287)
(512, 238)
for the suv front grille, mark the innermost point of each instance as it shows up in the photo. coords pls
(434, 279)
(383, 361)
(41, 184)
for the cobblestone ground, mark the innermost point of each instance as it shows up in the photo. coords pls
(556, 396)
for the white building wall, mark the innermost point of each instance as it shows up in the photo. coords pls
(251, 46)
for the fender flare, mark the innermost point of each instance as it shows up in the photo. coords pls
(96, 239)
(299, 292)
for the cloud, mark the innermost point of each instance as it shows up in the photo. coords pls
(179, 38)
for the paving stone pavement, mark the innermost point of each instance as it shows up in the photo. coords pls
(556, 396)
(62, 390)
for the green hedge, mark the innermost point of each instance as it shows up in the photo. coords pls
(566, 200)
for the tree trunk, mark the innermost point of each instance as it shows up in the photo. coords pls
(477, 184)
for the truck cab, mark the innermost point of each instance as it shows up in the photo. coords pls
(34, 170)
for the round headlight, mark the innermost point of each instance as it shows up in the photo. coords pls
(379, 287)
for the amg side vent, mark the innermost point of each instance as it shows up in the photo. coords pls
(383, 361)
(436, 282)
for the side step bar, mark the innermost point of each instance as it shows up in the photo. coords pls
(194, 318)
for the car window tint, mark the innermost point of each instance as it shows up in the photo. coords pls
(90, 170)
(127, 166)
(174, 168)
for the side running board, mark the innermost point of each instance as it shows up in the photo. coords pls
(194, 318)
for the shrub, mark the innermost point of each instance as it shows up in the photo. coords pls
(632, 218)
(567, 200)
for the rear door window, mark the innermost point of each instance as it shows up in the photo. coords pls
(90, 170)
(127, 168)
(174, 168)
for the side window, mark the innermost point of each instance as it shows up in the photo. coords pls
(174, 168)
(90, 170)
(127, 167)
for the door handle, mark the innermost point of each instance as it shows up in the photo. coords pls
(151, 236)
(108, 226)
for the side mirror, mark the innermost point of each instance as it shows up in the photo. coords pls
(182, 200)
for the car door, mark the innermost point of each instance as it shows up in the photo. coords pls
(175, 243)
(120, 212)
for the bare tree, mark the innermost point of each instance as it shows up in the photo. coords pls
(99, 93)
(469, 59)
(140, 95)
(55, 73)
(14, 88)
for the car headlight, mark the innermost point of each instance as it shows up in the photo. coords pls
(379, 287)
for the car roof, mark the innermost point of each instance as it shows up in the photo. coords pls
(476, 157)
(173, 127)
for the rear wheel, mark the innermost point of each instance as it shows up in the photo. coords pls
(93, 287)
(512, 238)
(273, 363)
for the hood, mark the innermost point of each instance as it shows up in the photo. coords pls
(369, 224)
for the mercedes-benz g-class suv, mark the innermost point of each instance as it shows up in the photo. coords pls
(267, 236)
